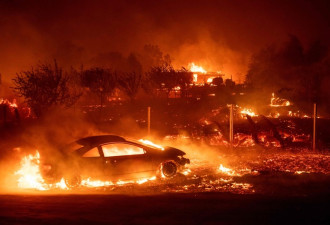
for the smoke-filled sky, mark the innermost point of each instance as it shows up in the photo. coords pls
(218, 35)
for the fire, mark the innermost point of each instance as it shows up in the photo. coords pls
(248, 112)
(278, 102)
(29, 172)
(12, 104)
(195, 77)
(209, 80)
(196, 69)
(226, 170)
(147, 142)
(30, 177)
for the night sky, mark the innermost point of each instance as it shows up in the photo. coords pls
(219, 35)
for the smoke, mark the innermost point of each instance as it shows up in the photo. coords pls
(217, 35)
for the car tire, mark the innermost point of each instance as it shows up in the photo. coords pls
(169, 169)
(72, 181)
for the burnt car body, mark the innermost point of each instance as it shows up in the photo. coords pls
(110, 157)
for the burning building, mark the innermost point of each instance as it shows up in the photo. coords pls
(201, 76)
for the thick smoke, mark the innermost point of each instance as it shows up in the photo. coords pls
(217, 35)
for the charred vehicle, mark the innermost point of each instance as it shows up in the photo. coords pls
(110, 157)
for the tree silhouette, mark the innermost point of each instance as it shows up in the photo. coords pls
(99, 81)
(166, 78)
(130, 83)
(43, 87)
(290, 70)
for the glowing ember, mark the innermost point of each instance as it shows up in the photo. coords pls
(147, 142)
(96, 183)
(226, 170)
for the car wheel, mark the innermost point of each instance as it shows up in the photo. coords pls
(168, 169)
(72, 181)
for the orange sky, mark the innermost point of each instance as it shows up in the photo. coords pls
(218, 35)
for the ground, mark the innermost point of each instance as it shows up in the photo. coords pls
(194, 208)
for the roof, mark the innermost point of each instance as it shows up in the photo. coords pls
(96, 140)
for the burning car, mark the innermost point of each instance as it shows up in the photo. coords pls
(110, 157)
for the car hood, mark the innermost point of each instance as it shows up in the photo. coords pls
(173, 151)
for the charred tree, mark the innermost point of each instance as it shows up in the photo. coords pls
(44, 87)
(99, 81)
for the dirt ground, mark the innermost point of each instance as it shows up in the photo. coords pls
(194, 208)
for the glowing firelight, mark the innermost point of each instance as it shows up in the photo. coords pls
(29, 172)
(30, 177)
(248, 112)
(226, 170)
(12, 104)
(147, 142)
(196, 69)
(278, 102)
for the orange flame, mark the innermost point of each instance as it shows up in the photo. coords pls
(278, 102)
(147, 142)
(195, 68)
(30, 177)
(248, 112)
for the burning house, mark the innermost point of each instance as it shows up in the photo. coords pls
(202, 77)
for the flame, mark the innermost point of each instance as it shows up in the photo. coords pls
(226, 170)
(195, 68)
(29, 172)
(278, 102)
(209, 80)
(30, 177)
(12, 104)
(195, 77)
(248, 112)
(147, 142)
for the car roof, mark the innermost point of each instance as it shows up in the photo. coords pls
(97, 140)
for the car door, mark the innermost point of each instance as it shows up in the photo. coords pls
(92, 163)
(126, 160)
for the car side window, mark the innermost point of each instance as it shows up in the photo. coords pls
(119, 149)
(94, 152)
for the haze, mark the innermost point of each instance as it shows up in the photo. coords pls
(218, 35)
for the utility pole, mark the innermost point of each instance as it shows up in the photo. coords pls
(314, 126)
(231, 125)
(149, 120)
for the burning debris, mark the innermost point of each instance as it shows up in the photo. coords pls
(11, 112)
